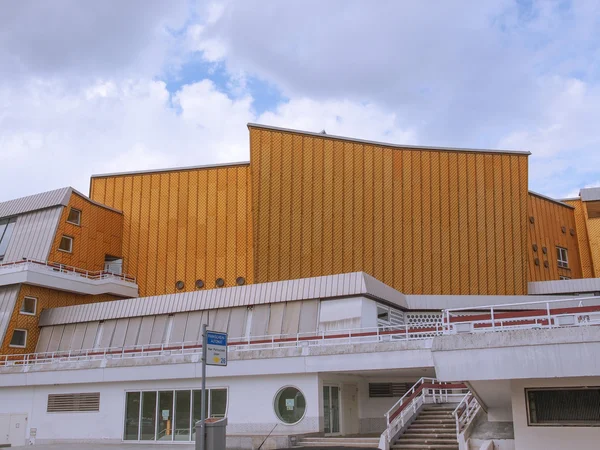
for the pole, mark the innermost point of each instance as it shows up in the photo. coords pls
(203, 407)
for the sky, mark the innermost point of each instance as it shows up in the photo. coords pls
(113, 86)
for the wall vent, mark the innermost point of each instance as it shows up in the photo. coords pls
(86, 402)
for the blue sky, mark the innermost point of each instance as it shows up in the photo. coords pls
(115, 86)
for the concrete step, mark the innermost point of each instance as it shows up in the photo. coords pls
(416, 424)
(433, 421)
(325, 441)
(425, 447)
(409, 440)
(429, 434)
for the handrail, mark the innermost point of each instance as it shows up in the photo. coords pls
(63, 268)
(465, 412)
(318, 338)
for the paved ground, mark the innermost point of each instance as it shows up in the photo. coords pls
(107, 447)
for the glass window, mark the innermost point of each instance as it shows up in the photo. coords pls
(132, 416)
(6, 230)
(164, 424)
(218, 402)
(148, 426)
(562, 256)
(66, 244)
(182, 415)
(290, 405)
(29, 306)
(74, 216)
(19, 338)
(568, 406)
(197, 405)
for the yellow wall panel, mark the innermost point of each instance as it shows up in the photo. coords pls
(46, 298)
(99, 234)
(184, 225)
(546, 231)
(424, 221)
(587, 266)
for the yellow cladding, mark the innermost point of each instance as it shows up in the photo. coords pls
(587, 266)
(183, 225)
(546, 232)
(99, 234)
(46, 298)
(422, 221)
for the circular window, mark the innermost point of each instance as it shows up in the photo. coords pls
(290, 405)
(240, 281)
(199, 284)
(220, 282)
(179, 285)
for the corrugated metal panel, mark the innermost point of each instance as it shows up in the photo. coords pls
(567, 287)
(90, 335)
(249, 295)
(118, 339)
(133, 330)
(145, 330)
(308, 316)
(108, 328)
(78, 336)
(67, 337)
(237, 320)
(179, 326)
(291, 318)
(260, 316)
(276, 318)
(8, 297)
(56, 337)
(192, 330)
(58, 197)
(33, 235)
(44, 339)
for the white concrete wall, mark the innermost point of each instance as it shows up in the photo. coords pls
(249, 411)
(347, 313)
(550, 438)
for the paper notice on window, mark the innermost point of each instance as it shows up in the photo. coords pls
(289, 403)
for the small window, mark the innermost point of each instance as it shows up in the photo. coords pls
(74, 216)
(564, 278)
(290, 405)
(19, 339)
(383, 314)
(66, 244)
(576, 407)
(562, 256)
(87, 402)
(29, 306)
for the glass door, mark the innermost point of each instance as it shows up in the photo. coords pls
(331, 409)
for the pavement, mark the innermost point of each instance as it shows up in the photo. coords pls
(101, 446)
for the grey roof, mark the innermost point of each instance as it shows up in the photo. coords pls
(564, 287)
(550, 199)
(590, 194)
(44, 200)
(58, 197)
(387, 144)
(171, 169)
(330, 286)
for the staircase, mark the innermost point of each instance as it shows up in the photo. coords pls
(433, 429)
(326, 441)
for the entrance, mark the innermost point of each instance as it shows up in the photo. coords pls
(12, 429)
(331, 409)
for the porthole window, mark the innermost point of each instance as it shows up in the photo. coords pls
(290, 405)
(179, 285)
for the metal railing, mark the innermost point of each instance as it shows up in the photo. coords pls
(573, 312)
(426, 390)
(239, 344)
(465, 412)
(68, 270)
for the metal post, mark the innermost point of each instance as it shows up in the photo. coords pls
(203, 407)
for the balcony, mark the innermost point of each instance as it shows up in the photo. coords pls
(66, 278)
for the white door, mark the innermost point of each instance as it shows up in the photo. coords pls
(350, 409)
(4, 428)
(16, 434)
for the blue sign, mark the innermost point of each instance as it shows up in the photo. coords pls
(216, 348)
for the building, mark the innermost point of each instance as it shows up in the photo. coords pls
(343, 270)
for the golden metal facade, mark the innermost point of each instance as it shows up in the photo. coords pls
(421, 221)
(183, 225)
(546, 232)
(588, 232)
(99, 234)
(46, 298)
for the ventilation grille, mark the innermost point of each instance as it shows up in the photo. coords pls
(388, 389)
(86, 402)
(576, 407)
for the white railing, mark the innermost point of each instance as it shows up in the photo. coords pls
(573, 312)
(240, 344)
(426, 390)
(55, 267)
(465, 412)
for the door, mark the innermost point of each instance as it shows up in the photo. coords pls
(4, 429)
(16, 434)
(350, 409)
(331, 409)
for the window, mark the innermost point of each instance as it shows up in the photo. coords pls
(290, 405)
(563, 259)
(29, 306)
(74, 216)
(388, 389)
(383, 315)
(86, 402)
(562, 277)
(169, 415)
(19, 339)
(66, 244)
(576, 407)
(6, 230)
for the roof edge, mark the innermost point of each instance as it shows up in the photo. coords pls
(94, 202)
(170, 169)
(388, 144)
(550, 199)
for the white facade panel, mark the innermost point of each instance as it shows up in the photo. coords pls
(8, 297)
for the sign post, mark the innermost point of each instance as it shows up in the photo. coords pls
(214, 353)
